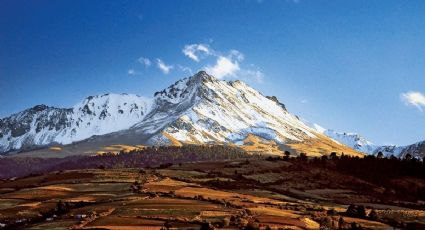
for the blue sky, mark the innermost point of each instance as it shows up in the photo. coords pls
(355, 66)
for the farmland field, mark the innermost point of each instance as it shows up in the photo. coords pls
(231, 194)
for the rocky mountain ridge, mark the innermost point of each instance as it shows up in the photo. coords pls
(195, 110)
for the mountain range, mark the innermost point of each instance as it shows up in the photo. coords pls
(195, 110)
(361, 144)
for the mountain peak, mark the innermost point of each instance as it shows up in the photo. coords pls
(40, 107)
(186, 87)
(199, 79)
(203, 76)
(196, 109)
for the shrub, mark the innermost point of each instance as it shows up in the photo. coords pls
(303, 157)
(332, 212)
(206, 226)
(341, 222)
(373, 215)
(356, 211)
(226, 222)
(252, 226)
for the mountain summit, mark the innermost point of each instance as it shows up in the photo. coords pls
(95, 115)
(196, 110)
(202, 109)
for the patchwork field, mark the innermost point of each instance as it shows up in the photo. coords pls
(233, 194)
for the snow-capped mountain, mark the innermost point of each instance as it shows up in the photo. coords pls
(361, 144)
(390, 150)
(352, 140)
(198, 110)
(95, 115)
(202, 109)
(416, 150)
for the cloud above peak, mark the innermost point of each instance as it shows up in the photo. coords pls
(227, 64)
(131, 72)
(196, 51)
(144, 61)
(414, 98)
(224, 66)
(164, 67)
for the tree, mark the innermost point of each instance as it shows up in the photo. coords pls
(61, 207)
(167, 224)
(326, 223)
(356, 211)
(252, 226)
(206, 226)
(373, 215)
(303, 157)
(341, 223)
(287, 155)
(380, 155)
(354, 225)
(333, 156)
(226, 222)
(332, 212)
(408, 157)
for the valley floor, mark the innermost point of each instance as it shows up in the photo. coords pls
(232, 194)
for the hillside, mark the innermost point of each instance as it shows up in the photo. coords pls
(245, 192)
(195, 110)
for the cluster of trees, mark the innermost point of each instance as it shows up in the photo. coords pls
(372, 168)
(146, 157)
(390, 173)
(399, 176)
(376, 168)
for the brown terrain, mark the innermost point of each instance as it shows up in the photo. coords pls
(252, 193)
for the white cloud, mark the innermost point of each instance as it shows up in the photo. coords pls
(416, 99)
(196, 51)
(131, 72)
(144, 61)
(163, 67)
(227, 64)
(304, 101)
(224, 66)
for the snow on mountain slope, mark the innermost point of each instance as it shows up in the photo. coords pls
(107, 113)
(389, 150)
(199, 109)
(95, 115)
(416, 150)
(352, 140)
(202, 109)
(361, 144)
